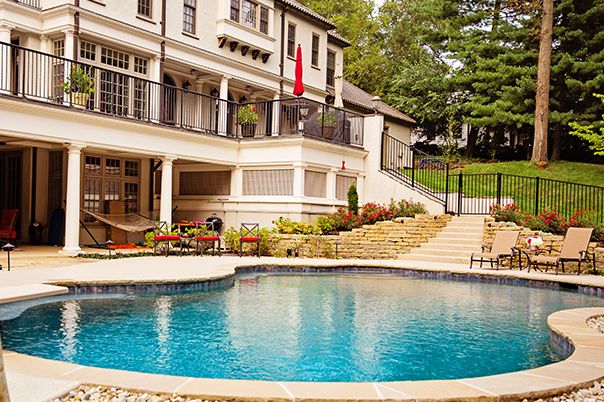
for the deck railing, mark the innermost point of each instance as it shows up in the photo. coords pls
(30, 3)
(38, 76)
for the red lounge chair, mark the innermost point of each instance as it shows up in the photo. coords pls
(161, 234)
(210, 235)
(8, 224)
(249, 233)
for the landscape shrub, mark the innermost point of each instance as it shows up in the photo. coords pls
(508, 213)
(231, 240)
(372, 213)
(406, 209)
(287, 226)
(353, 199)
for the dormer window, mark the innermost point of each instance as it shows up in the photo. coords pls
(249, 13)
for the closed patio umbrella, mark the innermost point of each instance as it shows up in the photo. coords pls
(298, 84)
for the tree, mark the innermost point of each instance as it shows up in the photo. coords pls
(589, 134)
(543, 83)
(353, 199)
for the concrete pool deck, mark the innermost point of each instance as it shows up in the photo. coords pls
(33, 379)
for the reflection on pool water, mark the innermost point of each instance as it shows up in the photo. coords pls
(303, 328)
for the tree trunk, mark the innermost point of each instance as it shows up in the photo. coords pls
(557, 142)
(472, 138)
(543, 78)
(3, 386)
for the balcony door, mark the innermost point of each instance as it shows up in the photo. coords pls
(169, 100)
(11, 185)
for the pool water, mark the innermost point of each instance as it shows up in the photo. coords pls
(303, 328)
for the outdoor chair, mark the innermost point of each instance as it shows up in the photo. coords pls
(502, 247)
(574, 248)
(161, 234)
(8, 225)
(205, 233)
(249, 233)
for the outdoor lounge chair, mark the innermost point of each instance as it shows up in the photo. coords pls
(211, 236)
(8, 224)
(502, 247)
(574, 248)
(161, 234)
(249, 233)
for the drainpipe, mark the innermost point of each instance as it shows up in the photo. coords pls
(163, 43)
(282, 58)
(76, 31)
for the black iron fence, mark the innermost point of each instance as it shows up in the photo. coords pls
(476, 193)
(423, 172)
(59, 81)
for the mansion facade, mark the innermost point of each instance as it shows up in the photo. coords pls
(180, 110)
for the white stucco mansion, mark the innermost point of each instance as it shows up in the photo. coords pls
(165, 126)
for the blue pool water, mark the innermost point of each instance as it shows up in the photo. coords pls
(303, 328)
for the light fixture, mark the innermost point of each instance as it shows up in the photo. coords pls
(304, 109)
(376, 103)
(186, 85)
(8, 248)
(215, 93)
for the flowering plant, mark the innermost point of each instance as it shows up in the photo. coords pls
(247, 114)
(534, 242)
(78, 81)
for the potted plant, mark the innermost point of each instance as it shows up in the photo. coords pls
(79, 85)
(327, 121)
(247, 117)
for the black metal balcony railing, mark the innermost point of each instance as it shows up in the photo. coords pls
(29, 3)
(38, 76)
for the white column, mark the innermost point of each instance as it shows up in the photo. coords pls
(72, 204)
(69, 43)
(276, 115)
(5, 59)
(237, 181)
(299, 179)
(165, 206)
(44, 44)
(222, 107)
(156, 68)
(361, 188)
(330, 193)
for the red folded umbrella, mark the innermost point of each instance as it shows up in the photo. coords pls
(299, 85)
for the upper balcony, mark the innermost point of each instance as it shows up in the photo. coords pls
(247, 26)
(60, 82)
(30, 3)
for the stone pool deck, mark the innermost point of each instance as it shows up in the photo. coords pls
(35, 379)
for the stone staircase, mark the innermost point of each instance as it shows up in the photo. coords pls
(454, 244)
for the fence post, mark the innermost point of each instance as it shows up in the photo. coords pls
(412, 167)
(383, 151)
(498, 188)
(447, 187)
(459, 193)
(536, 195)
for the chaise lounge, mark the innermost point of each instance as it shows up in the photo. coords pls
(574, 248)
(502, 247)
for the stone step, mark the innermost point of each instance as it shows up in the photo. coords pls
(461, 230)
(442, 247)
(434, 258)
(459, 236)
(446, 253)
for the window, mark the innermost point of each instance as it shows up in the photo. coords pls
(141, 101)
(115, 58)
(113, 93)
(88, 51)
(331, 68)
(140, 65)
(58, 69)
(205, 183)
(315, 50)
(144, 8)
(110, 179)
(188, 22)
(315, 184)
(343, 183)
(268, 182)
(58, 48)
(248, 13)
(235, 7)
(264, 20)
(291, 40)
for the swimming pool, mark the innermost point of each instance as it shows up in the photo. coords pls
(303, 328)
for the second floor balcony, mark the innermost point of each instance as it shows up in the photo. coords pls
(60, 82)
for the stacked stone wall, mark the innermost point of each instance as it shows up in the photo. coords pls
(384, 240)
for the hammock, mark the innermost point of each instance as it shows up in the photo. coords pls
(129, 222)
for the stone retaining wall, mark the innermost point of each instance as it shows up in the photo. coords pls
(555, 241)
(384, 240)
